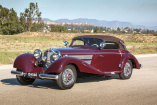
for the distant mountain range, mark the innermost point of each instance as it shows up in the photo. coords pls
(102, 23)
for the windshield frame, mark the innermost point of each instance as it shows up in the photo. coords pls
(85, 39)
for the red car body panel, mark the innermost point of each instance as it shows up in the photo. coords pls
(88, 59)
(129, 56)
(59, 65)
(26, 62)
(107, 60)
(110, 60)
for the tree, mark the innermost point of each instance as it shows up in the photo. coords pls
(9, 21)
(96, 29)
(13, 15)
(37, 27)
(5, 30)
(118, 29)
(58, 28)
(23, 21)
(30, 17)
(4, 15)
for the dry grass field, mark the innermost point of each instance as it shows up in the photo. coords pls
(13, 45)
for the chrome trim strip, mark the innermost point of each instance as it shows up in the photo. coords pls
(81, 56)
(48, 76)
(78, 53)
(112, 72)
(122, 43)
(88, 61)
(109, 53)
(92, 53)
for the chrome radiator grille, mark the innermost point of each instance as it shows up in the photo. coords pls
(49, 59)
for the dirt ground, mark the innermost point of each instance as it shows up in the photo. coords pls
(140, 89)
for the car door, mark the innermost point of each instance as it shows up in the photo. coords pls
(108, 59)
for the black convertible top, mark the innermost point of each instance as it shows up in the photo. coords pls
(104, 38)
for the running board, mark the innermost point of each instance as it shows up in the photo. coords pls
(112, 73)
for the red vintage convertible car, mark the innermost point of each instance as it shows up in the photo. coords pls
(86, 56)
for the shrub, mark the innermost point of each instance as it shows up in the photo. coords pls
(20, 29)
(155, 34)
(5, 30)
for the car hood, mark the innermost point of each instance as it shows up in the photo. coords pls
(77, 50)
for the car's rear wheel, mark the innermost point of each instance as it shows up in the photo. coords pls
(23, 80)
(67, 78)
(127, 72)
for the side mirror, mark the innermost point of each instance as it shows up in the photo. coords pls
(102, 45)
(65, 43)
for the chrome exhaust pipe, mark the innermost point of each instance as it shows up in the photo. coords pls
(48, 76)
(20, 73)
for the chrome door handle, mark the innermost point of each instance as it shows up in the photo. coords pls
(101, 56)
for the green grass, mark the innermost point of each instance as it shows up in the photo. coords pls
(8, 57)
(142, 48)
(13, 45)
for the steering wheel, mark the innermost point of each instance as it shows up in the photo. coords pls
(95, 45)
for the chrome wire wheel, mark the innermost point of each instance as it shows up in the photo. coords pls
(127, 69)
(127, 72)
(68, 76)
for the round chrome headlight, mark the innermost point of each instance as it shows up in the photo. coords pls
(56, 54)
(37, 54)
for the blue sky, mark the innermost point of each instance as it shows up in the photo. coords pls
(138, 12)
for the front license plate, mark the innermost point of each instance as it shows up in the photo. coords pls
(32, 74)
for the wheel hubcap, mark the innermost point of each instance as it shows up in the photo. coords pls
(127, 69)
(68, 76)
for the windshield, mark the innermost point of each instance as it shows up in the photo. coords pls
(87, 42)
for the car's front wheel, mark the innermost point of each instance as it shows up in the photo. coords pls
(23, 80)
(67, 78)
(127, 72)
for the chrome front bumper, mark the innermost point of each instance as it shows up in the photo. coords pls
(42, 76)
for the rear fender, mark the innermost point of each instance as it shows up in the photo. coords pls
(127, 57)
(25, 62)
(59, 65)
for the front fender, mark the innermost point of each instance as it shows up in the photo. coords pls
(25, 62)
(59, 65)
(131, 57)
